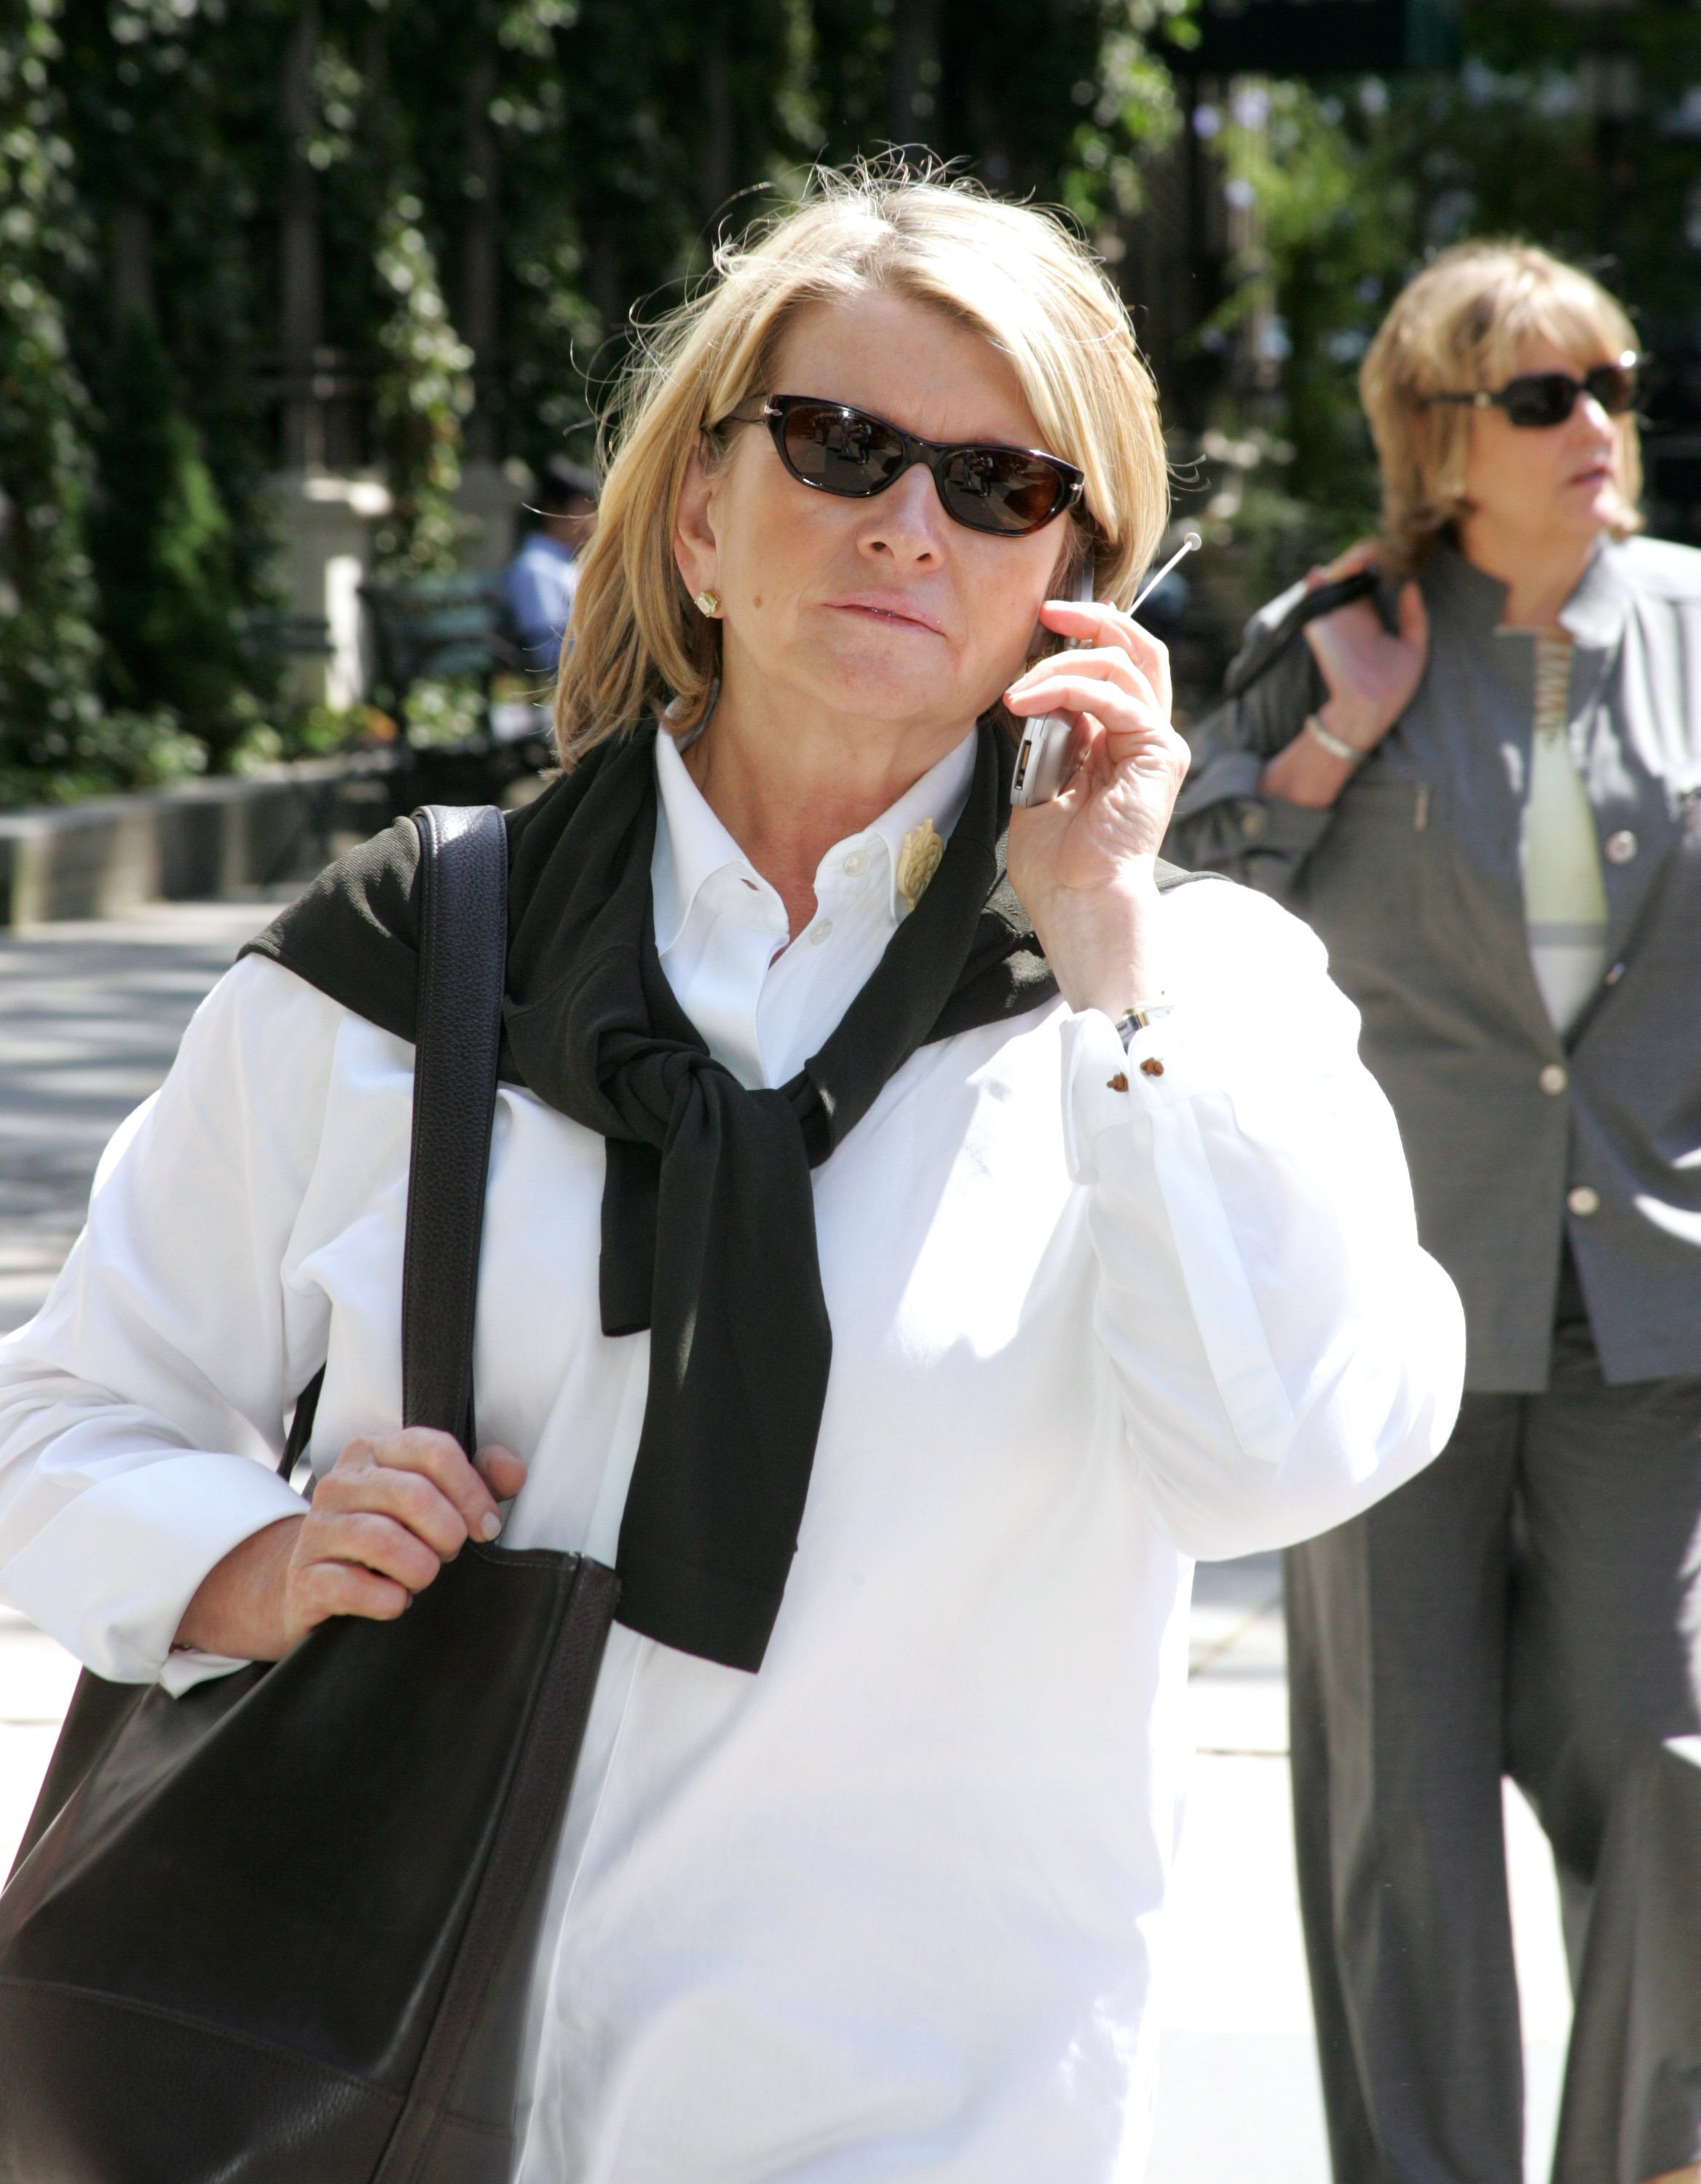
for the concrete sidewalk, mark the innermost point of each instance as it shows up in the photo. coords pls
(1238, 2100)
(90, 1016)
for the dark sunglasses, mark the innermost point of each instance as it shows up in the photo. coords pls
(828, 445)
(1539, 400)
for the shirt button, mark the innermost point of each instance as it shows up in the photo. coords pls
(822, 933)
(1583, 1201)
(855, 864)
(1552, 1077)
(1620, 847)
(1614, 974)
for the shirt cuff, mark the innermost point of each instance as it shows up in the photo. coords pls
(1136, 1134)
(112, 1573)
(1100, 1078)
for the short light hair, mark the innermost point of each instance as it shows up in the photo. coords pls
(1457, 328)
(1012, 274)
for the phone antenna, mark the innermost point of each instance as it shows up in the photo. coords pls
(1190, 544)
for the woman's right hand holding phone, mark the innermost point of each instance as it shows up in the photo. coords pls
(1372, 674)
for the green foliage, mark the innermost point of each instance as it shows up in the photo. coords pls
(1130, 106)
(423, 393)
(1570, 128)
(1052, 99)
(163, 547)
(1331, 247)
(599, 146)
(48, 647)
(311, 732)
(171, 110)
(442, 710)
(159, 102)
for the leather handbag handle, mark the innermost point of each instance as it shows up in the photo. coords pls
(457, 1032)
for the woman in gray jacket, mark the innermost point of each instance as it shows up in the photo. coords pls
(1483, 790)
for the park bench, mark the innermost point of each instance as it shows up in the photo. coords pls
(457, 629)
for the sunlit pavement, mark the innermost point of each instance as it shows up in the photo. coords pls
(1238, 2100)
(90, 1016)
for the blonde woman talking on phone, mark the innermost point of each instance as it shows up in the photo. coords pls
(898, 1264)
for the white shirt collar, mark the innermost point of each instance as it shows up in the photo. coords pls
(692, 845)
(939, 795)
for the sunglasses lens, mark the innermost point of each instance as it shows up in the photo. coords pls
(1613, 387)
(841, 450)
(1544, 398)
(1001, 489)
(1541, 399)
(846, 451)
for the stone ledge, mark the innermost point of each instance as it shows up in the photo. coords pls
(110, 853)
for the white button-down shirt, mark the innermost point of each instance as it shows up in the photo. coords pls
(719, 923)
(885, 1909)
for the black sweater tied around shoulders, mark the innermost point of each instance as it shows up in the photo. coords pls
(708, 1217)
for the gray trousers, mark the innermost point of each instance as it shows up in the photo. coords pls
(1530, 1605)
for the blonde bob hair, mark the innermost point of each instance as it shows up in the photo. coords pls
(1457, 328)
(1014, 274)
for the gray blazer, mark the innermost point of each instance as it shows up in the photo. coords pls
(1413, 883)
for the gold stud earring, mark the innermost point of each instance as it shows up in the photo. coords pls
(709, 603)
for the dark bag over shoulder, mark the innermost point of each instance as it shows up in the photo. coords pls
(281, 1928)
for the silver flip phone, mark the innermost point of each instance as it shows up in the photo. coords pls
(1044, 755)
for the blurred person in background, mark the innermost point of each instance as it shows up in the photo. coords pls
(1483, 791)
(541, 580)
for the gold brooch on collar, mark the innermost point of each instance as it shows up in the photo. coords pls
(918, 859)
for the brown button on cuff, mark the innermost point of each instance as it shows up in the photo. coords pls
(1151, 1067)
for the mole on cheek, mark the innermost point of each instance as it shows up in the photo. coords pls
(756, 600)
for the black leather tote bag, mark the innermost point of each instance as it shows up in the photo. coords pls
(282, 1927)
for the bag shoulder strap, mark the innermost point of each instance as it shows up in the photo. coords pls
(458, 1028)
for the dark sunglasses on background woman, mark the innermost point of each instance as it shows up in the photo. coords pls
(828, 445)
(1539, 400)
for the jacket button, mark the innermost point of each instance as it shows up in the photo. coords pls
(1552, 1077)
(1613, 975)
(1252, 823)
(1620, 847)
(1583, 1201)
